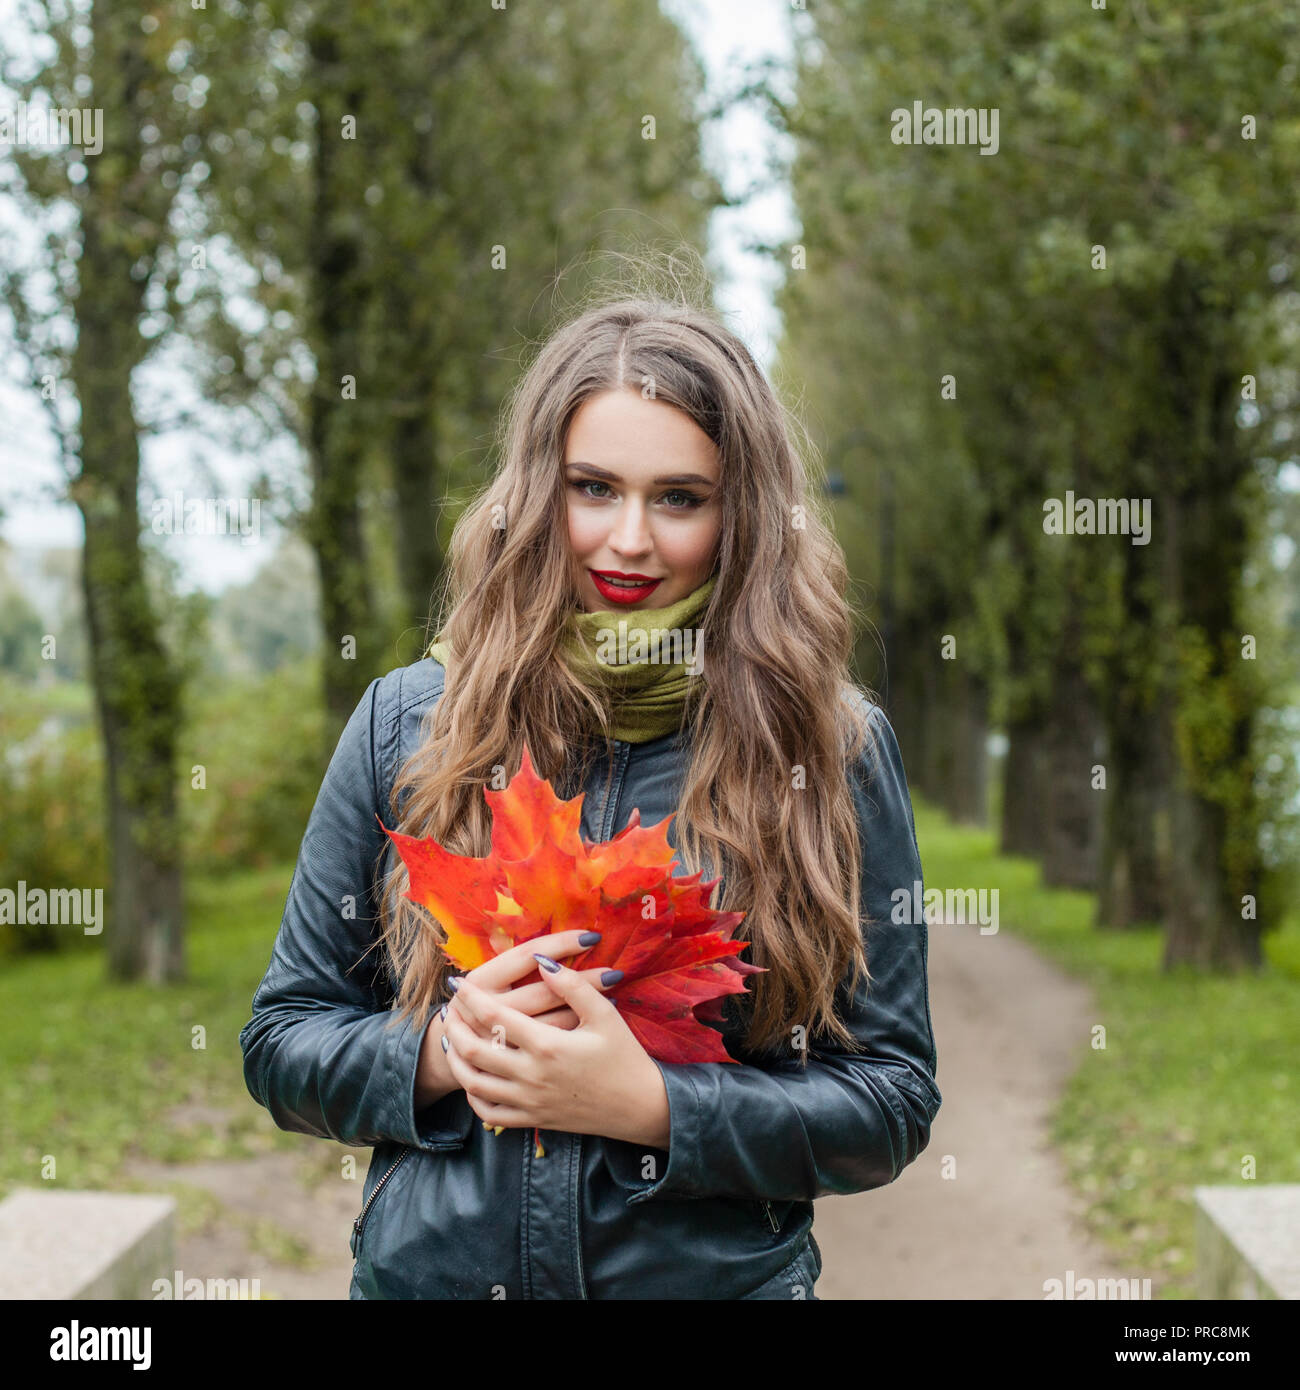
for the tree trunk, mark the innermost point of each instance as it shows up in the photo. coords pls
(965, 738)
(416, 485)
(1072, 809)
(1025, 769)
(1216, 856)
(1136, 873)
(137, 690)
(413, 453)
(1206, 928)
(928, 719)
(1024, 787)
(336, 440)
(905, 699)
(1134, 877)
(413, 366)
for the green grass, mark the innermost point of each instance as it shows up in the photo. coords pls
(1197, 1073)
(89, 1068)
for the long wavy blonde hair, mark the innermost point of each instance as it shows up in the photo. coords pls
(766, 801)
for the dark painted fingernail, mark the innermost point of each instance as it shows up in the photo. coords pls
(445, 1043)
(442, 1012)
(589, 938)
(611, 977)
(546, 963)
(453, 984)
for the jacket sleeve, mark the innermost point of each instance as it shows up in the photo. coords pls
(846, 1122)
(321, 1051)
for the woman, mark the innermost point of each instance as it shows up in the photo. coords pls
(648, 476)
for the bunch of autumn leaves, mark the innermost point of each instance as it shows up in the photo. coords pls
(678, 957)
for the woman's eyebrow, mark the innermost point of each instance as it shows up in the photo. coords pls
(659, 482)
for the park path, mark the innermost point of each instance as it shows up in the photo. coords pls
(282, 1217)
(1009, 1029)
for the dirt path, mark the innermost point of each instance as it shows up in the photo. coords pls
(282, 1218)
(1009, 1029)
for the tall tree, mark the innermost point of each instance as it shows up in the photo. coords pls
(90, 306)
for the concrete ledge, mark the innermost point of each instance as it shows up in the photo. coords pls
(84, 1244)
(1248, 1241)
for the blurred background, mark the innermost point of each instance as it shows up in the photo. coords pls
(262, 303)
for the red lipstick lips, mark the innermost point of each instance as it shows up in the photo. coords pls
(623, 593)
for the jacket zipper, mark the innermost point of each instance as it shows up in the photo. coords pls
(582, 1277)
(360, 1222)
(767, 1207)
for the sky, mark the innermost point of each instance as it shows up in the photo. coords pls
(726, 36)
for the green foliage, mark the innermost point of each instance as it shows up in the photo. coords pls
(21, 631)
(52, 828)
(257, 741)
(1120, 132)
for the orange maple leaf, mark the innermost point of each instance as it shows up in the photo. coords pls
(678, 957)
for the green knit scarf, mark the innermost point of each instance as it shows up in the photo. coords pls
(647, 658)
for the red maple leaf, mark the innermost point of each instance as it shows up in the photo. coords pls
(678, 957)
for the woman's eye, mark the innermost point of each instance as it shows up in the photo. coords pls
(583, 483)
(689, 500)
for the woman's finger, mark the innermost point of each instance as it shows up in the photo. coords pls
(559, 1018)
(538, 998)
(451, 1010)
(496, 1023)
(503, 1115)
(478, 1055)
(494, 1090)
(502, 971)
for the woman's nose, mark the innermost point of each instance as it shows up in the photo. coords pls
(631, 535)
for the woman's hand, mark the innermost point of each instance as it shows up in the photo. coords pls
(595, 1078)
(434, 1078)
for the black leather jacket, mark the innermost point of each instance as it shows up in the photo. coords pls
(451, 1210)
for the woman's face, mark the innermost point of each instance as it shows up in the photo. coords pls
(641, 482)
